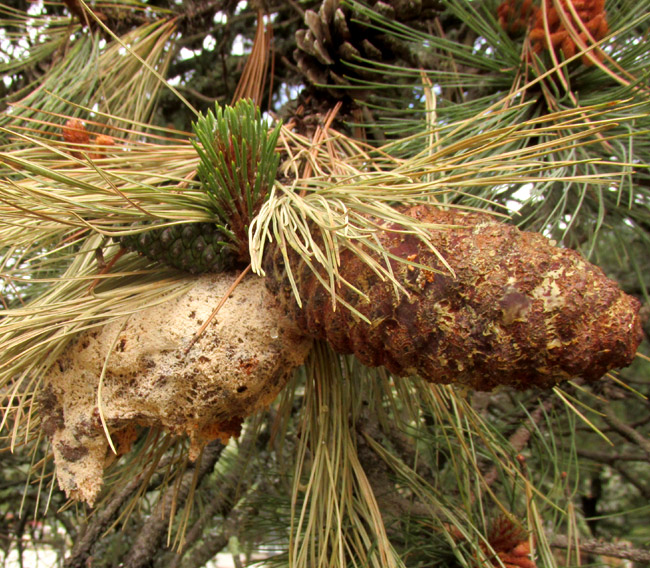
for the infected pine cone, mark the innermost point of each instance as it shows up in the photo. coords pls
(74, 132)
(76, 136)
(516, 15)
(519, 310)
(101, 142)
(592, 16)
(237, 366)
(509, 545)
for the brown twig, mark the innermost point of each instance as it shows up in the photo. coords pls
(391, 503)
(609, 458)
(106, 268)
(615, 550)
(155, 527)
(81, 552)
(519, 439)
(231, 490)
(77, 10)
(626, 431)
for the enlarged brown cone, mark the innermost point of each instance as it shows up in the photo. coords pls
(520, 311)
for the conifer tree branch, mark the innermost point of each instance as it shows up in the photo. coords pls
(93, 530)
(519, 439)
(626, 432)
(151, 535)
(616, 550)
(229, 493)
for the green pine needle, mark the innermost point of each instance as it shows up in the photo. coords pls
(238, 162)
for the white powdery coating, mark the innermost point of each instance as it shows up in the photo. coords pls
(239, 365)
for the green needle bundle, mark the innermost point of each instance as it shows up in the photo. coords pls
(237, 169)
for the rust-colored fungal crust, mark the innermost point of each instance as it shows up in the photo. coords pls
(519, 310)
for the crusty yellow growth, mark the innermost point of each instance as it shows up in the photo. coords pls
(519, 311)
(238, 365)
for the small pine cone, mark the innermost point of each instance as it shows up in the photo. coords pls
(515, 16)
(519, 311)
(510, 543)
(592, 16)
(74, 132)
(102, 141)
(337, 35)
(196, 248)
(76, 136)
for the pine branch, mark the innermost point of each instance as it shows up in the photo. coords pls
(609, 458)
(604, 548)
(391, 504)
(405, 447)
(211, 547)
(77, 10)
(151, 536)
(519, 439)
(231, 489)
(626, 432)
(631, 478)
(81, 552)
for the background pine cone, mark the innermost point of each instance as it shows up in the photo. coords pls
(516, 15)
(592, 16)
(337, 35)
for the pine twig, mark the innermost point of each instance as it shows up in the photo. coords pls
(609, 458)
(626, 432)
(231, 490)
(519, 439)
(77, 10)
(151, 535)
(208, 550)
(628, 474)
(391, 503)
(614, 550)
(82, 549)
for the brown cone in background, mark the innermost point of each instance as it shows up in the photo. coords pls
(592, 19)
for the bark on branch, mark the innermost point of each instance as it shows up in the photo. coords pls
(81, 552)
(604, 549)
(154, 530)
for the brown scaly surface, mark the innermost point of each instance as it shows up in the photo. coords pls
(515, 16)
(592, 15)
(520, 311)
